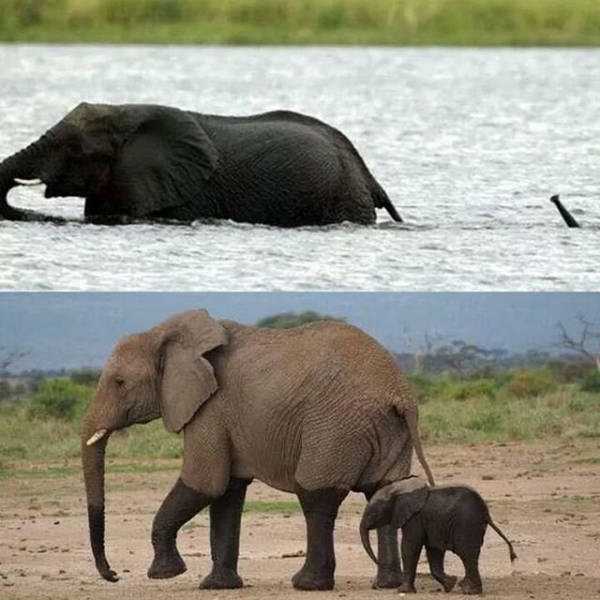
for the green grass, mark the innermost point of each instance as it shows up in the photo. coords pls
(393, 22)
(524, 405)
(263, 506)
(566, 412)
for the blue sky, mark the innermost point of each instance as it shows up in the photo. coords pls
(72, 330)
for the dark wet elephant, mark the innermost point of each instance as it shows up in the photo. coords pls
(148, 162)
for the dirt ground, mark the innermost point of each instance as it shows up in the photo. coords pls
(545, 497)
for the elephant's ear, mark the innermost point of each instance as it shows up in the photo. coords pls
(163, 158)
(408, 503)
(186, 377)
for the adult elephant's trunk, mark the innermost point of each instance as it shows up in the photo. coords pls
(564, 213)
(93, 472)
(24, 167)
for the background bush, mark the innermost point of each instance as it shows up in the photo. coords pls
(591, 382)
(59, 399)
(279, 21)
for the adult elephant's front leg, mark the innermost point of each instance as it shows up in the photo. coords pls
(181, 504)
(320, 509)
(225, 521)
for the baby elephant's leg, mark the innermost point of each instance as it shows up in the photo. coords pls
(435, 557)
(471, 584)
(411, 550)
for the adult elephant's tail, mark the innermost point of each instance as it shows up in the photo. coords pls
(410, 414)
(382, 200)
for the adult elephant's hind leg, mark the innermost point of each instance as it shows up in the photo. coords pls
(320, 509)
(181, 504)
(225, 522)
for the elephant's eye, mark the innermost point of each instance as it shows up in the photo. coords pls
(120, 382)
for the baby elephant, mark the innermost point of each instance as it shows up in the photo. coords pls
(440, 518)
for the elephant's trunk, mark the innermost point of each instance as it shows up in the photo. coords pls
(25, 165)
(564, 213)
(93, 472)
(365, 538)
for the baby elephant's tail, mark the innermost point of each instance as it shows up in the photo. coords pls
(497, 530)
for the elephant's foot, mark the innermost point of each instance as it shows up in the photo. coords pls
(221, 578)
(387, 579)
(167, 565)
(449, 583)
(407, 588)
(470, 587)
(310, 580)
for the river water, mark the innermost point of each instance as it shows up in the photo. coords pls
(468, 143)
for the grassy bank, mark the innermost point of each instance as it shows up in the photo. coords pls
(391, 22)
(524, 405)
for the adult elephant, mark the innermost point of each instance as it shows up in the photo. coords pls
(134, 162)
(317, 410)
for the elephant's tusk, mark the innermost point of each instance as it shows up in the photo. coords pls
(28, 181)
(97, 436)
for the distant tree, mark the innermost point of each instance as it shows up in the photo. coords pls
(585, 343)
(87, 377)
(460, 357)
(5, 390)
(291, 319)
(9, 357)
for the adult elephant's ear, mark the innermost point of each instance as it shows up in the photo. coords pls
(164, 156)
(409, 497)
(186, 378)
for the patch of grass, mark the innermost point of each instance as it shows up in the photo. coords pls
(565, 412)
(398, 22)
(532, 382)
(280, 506)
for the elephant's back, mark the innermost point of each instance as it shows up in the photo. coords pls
(287, 169)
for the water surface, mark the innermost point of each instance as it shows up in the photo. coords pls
(468, 143)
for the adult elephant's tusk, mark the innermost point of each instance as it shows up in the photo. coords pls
(97, 436)
(28, 181)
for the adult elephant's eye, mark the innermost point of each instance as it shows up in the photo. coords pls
(120, 382)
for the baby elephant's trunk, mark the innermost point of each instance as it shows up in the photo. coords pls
(497, 530)
(366, 540)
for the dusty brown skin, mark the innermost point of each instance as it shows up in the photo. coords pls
(317, 410)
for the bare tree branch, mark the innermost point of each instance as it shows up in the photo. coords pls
(586, 343)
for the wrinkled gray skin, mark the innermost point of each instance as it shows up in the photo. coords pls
(440, 518)
(317, 410)
(145, 162)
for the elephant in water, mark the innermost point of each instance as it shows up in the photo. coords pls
(317, 410)
(145, 162)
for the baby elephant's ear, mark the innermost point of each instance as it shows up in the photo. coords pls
(407, 504)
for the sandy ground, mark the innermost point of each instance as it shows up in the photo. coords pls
(545, 497)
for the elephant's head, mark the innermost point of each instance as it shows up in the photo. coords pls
(130, 160)
(395, 503)
(159, 373)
